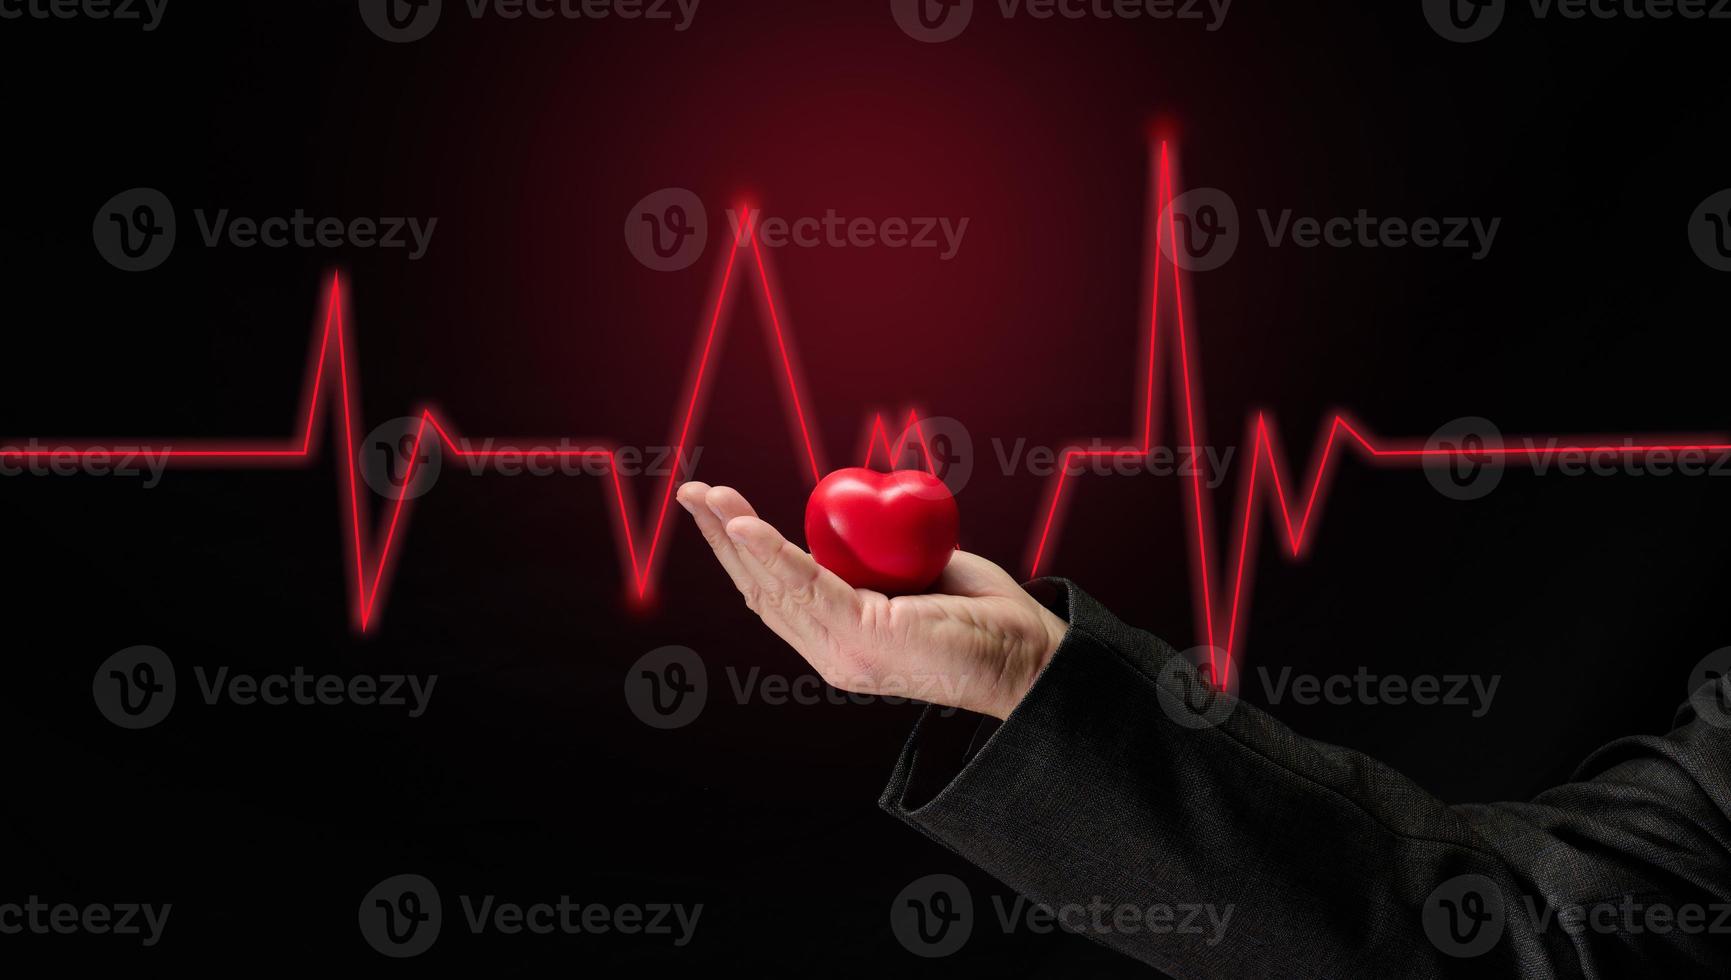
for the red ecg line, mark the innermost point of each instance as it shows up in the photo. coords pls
(880, 437)
(1220, 654)
(370, 567)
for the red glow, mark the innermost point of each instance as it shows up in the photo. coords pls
(370, 567)
(1263, 453)
(880, 437)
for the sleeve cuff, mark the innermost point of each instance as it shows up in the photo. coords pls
(949, 750)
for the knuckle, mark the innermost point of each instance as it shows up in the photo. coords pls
(802, 593)
(753, 598)
(774, 562)
(876, 619)
(783, 600)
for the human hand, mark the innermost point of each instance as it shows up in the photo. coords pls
(976, 642)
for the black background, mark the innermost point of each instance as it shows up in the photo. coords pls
(529, 778)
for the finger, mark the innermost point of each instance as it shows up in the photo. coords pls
(757, 585)
(968, 574)
(728, 503)
(724, 504)
(692, 498)
(806, 590)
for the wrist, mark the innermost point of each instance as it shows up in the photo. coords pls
(1023, 667)
(1056, 629)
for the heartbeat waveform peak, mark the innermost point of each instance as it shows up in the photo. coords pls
(1220, 611)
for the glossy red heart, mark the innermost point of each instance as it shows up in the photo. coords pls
(892, 532)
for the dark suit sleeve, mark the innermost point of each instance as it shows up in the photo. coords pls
(1118, 784)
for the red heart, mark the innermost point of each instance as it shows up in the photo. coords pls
(892, 532)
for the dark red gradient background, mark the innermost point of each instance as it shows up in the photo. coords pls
(530, 142)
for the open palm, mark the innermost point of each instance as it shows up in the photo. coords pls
(977, 642)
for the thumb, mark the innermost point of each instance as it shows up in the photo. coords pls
(968, 574)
